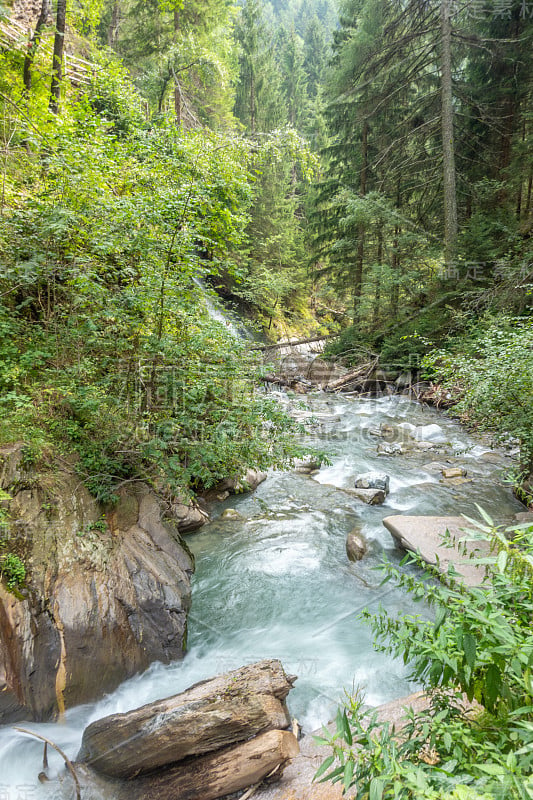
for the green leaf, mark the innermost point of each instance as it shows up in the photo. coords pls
(324, 767)
(440, 616)
(493, 682)
(502, 560)
(491, 769)
(485, 516)
(346, 729)
(469, 649)
(348, 774)
(376, 789)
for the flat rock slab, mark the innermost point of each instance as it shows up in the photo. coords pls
(425, 535)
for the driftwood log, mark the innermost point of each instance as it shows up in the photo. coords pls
(355, 376)
(217, 774)
(209, 716)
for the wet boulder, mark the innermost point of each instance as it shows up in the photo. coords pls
(356, 545)
(372, 497)
(247, 482)
(453, 472)
(306, 465)
(372, 480)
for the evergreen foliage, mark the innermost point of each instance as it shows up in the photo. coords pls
(384, 111)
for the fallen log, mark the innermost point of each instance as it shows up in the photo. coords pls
(210, 715)
(217, 774)
(360, 373)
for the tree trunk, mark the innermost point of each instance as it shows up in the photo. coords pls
(359, 263)
(252, 100)
(34, 43)
(395, 289)
(218, 774)
(529, 190)
(178, 100)
(57, 61)
(448, 148)
(208, 716)
(377, 291)
(114, 27)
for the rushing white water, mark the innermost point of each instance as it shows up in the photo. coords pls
(220, 314)
(278, 584)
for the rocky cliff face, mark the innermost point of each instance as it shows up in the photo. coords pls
(105, 595)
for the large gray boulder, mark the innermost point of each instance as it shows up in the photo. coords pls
(105, 595)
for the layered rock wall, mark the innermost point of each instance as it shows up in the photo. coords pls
(105, 595)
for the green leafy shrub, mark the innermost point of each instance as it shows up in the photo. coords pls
(106, 345)
(12, 569)
(491, 373)
(477, 647)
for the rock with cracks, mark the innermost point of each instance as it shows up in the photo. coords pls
(113, 588)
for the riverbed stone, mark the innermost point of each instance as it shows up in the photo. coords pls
(524, 517)
(423, 446)
(189, 515)
(306, 465)
(436, 466)
(424, 534)
(459, 480)
(356, 545)
(372, 497)
(247, 482)
(492, 457)
(373, 480)
(231, 513)
(453, 472)
(390, 449)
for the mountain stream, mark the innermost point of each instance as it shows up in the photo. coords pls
(277, 583)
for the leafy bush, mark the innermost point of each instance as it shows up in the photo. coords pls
(478, 647)
(12, 569)
(106, 346)
(491, 372)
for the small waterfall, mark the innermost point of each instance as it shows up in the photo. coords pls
(220, 314)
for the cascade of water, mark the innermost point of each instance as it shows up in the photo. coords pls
(219, 314)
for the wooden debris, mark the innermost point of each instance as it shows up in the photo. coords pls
(217, 774)
(210, 715)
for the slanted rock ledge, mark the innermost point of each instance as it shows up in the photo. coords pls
(425, 535)
(106, 595)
